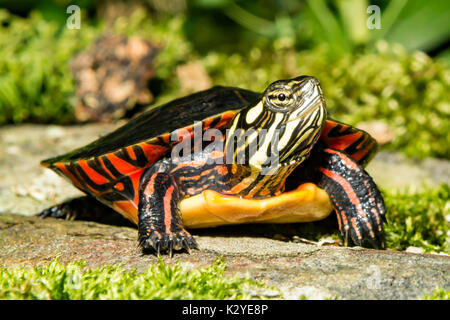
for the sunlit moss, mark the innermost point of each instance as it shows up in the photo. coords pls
(419, 220)
(57, 281)
(35, 80)
(438, 294)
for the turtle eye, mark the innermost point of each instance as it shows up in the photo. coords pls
(280, 98)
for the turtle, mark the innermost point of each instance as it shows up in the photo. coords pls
(228, 155)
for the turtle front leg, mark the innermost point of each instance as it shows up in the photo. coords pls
(356, 199)
(160, 224)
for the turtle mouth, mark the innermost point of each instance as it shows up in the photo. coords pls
(313, 106)
(309, 100)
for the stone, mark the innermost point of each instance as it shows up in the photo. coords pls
(296, 269)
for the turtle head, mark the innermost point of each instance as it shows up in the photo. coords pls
(286, 122)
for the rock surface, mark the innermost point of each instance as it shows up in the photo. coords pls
(296, 268)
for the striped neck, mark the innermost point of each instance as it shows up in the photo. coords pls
(268, 140)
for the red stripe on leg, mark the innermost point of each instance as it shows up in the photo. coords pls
(150, 188)
(168, 208)
(355, 227)
(374, 211)
(345, 185)
(377, 217)
(348, 162)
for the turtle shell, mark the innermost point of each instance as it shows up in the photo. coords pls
(110, 167)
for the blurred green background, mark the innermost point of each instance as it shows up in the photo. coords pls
(398, 74)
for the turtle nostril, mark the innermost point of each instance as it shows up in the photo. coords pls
(315, 81)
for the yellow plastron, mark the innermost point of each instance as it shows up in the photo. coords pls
(209, 209)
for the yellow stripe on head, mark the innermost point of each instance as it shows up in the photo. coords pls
(254, 113)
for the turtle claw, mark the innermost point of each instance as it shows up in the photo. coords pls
(361, 228)
(62, 211)
(167, 243)
(82, 208)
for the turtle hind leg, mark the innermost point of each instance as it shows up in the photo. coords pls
(160, 224)
(82, 208)
(356, 199)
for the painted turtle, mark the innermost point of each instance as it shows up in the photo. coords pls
(224, 156)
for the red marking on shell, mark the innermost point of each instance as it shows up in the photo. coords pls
(343, 142)
(226, 118)
(131, 153)
(152, 152)
(121, 165)
(207, 123)
(104, 167)
(364, 140)
(119, 186)
(166, 137)
(128, 209)
(62, 167)
(328, 126)
(361, 153)
(93, 175)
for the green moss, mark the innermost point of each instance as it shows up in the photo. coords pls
(419, 220)
(36, 83)
(438, 294)
(57, 281)
(35, 79)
